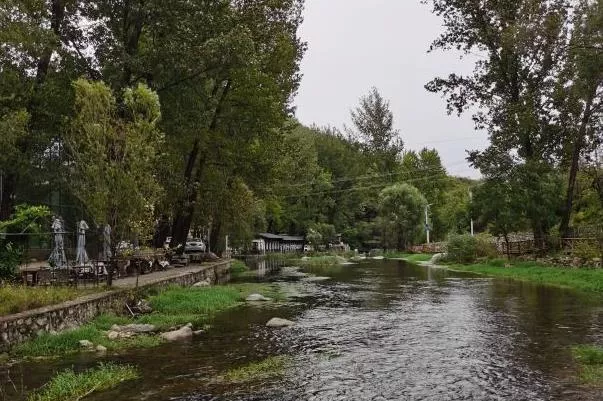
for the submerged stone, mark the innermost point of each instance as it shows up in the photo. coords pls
(257, 298)
(184, 333)
(278, 322)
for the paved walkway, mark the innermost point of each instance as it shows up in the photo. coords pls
(130, 282)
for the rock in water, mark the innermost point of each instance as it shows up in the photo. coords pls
(101, 349)
(86, 344)
(184, 333)
(278, 322)
(316, 279)
(257, 298)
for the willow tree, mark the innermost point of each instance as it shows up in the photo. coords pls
(113, 154)
(401, 210)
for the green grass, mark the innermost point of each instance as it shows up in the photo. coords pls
(66, 342)
(172, 307)
(265, 369)
(411, 257)
(15, 299)
(590, 359)
(237, 268)
(71, 386)
(325, 260)
(587, 280)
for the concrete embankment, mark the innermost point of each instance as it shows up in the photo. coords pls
(20, 327)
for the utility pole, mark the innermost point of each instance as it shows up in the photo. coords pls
(427, 228)
(471, 201)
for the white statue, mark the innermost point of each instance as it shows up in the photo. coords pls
(81, 256)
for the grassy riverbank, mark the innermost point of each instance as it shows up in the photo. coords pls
(18, 298)
(583, 279)
(411, 257)
(590, 360)
(172, 308)
(71, 386)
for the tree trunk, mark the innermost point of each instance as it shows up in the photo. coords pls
(214, 237)
(185, 209)
(11, 180)
(506, 236)
(571, 186)
(7, 191)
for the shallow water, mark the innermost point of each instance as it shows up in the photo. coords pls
(377, 331)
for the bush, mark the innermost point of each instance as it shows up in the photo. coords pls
(10, 257)
(462, 248)
(486, 246)
(586, 250)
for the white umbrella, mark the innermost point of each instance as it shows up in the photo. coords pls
(81, 256)
(57, 257)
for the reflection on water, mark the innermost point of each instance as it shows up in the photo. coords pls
(379, 331)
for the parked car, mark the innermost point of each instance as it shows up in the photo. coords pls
(194, 246)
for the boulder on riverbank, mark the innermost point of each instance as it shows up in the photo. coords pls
(184, 333)
(257, 298)
(86, 344)
(278, 322)
(135, 328)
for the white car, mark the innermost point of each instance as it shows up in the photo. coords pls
(194, 246)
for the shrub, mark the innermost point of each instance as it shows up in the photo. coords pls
(10, 257)
(462, 248)
(486, 246)
(586, 250)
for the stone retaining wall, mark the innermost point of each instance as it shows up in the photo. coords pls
(23, 326)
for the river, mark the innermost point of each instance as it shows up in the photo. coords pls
(379, 330)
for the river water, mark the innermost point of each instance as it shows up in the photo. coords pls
(379, 330)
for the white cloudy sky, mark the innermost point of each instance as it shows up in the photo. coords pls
(356, 44)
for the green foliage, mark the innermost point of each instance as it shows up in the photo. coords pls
(10, 257)
(14, 299)
(411, 257)
(114, 157)
(324, 260)
(585, 280)
(72, 386)
(532, 92)
(401, 209)
(461, 248)
(264, 369)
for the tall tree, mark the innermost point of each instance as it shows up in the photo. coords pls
(401, 208)
(374, 127)
(113, 152)
(523, 44)
(581, 96)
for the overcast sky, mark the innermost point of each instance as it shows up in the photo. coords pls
(356, 44)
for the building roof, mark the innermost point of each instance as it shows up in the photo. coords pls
(292, 238)
(283, 237)
(270, 236)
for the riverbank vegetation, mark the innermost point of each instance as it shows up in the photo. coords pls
(252, 167)
(590, 360)
(583, 279)
(15, 299)
(411, 257)
(71, 386)
(172, 307)
(264, 369)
